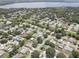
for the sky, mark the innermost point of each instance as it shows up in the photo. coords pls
(40, 5)
(4, 2)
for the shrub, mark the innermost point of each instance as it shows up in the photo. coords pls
(60, 55)
(70, 33)
(50, 52)
(35, 54)
(9, 32)
(71, 56)
(42, 48)
(48, 33)
(5, 55)
(27, 26)
(73, 34)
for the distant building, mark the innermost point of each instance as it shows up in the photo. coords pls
(67, 48)
(72, 40)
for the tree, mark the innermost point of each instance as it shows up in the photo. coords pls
(47, 42)
(60, 12)
(1, 32)
(35, 54)
(16, 32)
(34, 44)
(3, 41)
(60, 30)
(51, 45)
(10, 37)
(45, 35)
(29, 35)
(50, 52)
(77, 37)
(15, 50)
(58, 35)
(5, 35)
(21, 42)
(60, 55)
(71, 56)
(75, 54)
(40, 40)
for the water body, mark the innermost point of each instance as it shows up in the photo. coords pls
(40, 5)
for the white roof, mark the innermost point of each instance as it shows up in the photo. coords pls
(8, 22)
(2, 46)
(72, 39)
(1, 52)
(16, 38)
(10, 49)
(68, 48)
(24, 49)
